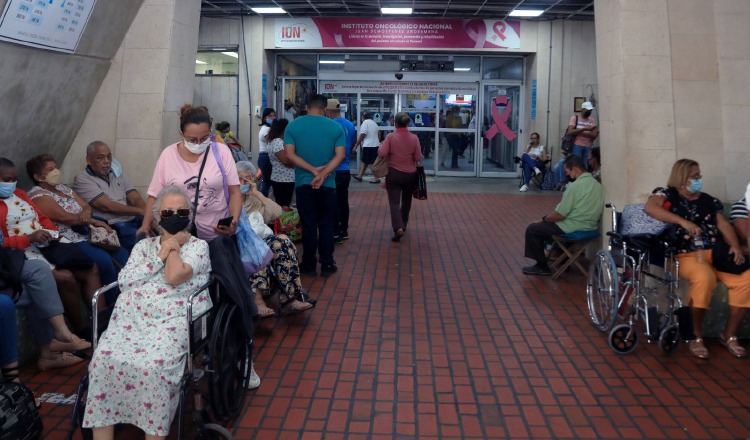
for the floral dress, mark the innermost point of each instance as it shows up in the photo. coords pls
(136, 370)
(23, 220)
(702, 212)
(68, 203)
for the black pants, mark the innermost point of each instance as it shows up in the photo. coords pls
(400, 187)
(317, 213)
(283, 192)
(342, 200)
(536, 234)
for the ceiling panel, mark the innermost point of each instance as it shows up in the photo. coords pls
(555, 9)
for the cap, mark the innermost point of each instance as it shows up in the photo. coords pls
(333, 104)
(586, 105)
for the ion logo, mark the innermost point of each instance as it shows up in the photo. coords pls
(291, 32)
(330, 86)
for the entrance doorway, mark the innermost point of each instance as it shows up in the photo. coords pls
(500, 130)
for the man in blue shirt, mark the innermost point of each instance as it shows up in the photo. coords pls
(343, 173)
(316, 147)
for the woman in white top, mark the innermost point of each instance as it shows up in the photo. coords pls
(282, 168)
(532, 160)
(264, 163)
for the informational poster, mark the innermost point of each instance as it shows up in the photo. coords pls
(420, 33)
(401, 87)
(48, 24)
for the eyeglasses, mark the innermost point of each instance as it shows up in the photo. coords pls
(182, 212)
(197, 140)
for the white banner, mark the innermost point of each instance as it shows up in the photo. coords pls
(297, 33)
(47, 24)
(400, 87)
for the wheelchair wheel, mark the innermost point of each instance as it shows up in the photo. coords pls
(212, 431)
(602, 291)
(669, 338)
(623, 339)
(230, 363)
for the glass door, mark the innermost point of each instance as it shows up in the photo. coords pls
(456, 145)
(350, 111)
(422, 109)
(499, 130)
(382, 109)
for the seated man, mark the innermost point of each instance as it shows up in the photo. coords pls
(113, 198)
(579, 210)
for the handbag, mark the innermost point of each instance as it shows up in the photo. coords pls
(102, 238)
(11, 264)
(421, 192)
(254, 252)
(288, 223)
(19, 416)
(66, 256)
(723, 261)
(380, 167)
(568, 140)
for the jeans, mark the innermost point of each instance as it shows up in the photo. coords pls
(536, 234)
(400, 187)
(103, 260)
(454, 141)
(264, 163)
(342, 201)
(40, 292)
(8, 331)
(317, 213)
(283, 192)
(583, 153)
(126, 232)
(528, 167)
(559, 171)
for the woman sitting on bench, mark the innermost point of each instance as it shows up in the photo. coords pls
(532, 160)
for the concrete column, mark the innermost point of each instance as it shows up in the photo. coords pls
(137, 108)
(671, 80)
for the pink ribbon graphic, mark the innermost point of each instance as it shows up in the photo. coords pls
(499, 28)
(500, 120)
(476, 31)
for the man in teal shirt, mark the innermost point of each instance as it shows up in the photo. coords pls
(316, 145)
(579, 210)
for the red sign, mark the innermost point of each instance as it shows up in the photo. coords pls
(397, 33)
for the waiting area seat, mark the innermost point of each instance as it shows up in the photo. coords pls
(572, 246)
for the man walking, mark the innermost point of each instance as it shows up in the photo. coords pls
(343, 172)
(316, 147)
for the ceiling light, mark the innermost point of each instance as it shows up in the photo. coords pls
(200, 62)
(386, 10)
(268, 10)
(461, 69)
(231, 54)
(526, 13)
(331, 62)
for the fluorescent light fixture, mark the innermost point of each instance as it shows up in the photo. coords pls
(200, 62)
(331, 62)
(461, 69)
(231, 54)
(268, 10)
(391, 10)
(526, 12)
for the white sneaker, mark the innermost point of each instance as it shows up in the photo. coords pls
(537, 171)
(524, 188)
(254, 381)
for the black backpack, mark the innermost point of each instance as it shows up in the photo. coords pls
(568, 140)
(19, 417)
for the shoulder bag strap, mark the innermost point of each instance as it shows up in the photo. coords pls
(223, 173)
(197, 191)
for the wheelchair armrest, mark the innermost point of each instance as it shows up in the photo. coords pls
(191, 298)
(95, 311)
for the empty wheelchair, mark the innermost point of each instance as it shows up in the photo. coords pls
(636, 279)
(216, 370)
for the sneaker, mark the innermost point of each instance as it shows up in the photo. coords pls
(338, 239)
(524, 188)
(345, 235)
(254, 381)
(307, 270)
(326, 270)
(536, 270)
(537, 171)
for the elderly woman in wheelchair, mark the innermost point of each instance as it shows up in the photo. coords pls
(136, 369)
(707, 248)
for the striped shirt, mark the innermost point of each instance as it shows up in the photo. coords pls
(739, 209)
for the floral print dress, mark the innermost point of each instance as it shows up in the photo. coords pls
(23, 220)
(68, 203)
(136, 370)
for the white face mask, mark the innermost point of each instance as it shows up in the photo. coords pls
(197, 148)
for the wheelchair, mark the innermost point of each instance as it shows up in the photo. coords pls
(219, 359)
(636, 279)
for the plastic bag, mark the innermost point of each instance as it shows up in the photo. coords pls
(254, 252)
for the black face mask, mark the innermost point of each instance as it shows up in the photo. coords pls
(586, 113)
(174, 224)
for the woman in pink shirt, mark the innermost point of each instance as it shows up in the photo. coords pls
(198, 163)
(403, 152)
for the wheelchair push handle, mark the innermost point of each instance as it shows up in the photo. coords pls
(95, 311)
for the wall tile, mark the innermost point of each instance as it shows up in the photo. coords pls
(691, 17)
(648, 78)
(144, 70)
(650, 126)
(697, 104)
(645, 34)
(151, 28)
(694, 57)
(140, 116)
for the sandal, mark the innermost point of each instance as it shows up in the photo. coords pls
(265, 312)
(295, 306)
(697, 348)
(75, 344)
(60, 360)
(734, 347)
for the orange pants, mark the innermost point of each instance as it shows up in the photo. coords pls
(698, 270)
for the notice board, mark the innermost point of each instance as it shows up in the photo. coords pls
(48, 24)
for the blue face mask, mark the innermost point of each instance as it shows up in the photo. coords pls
(269, 121)
(245, 188)
(116, 167)
(6, 189)
(695, 185)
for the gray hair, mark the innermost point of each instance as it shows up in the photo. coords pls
(90, 147)
(402, 119)
(245, 166)
(171, 190)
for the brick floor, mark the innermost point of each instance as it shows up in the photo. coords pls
(441, 336)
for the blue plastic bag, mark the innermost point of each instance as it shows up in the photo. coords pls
(254, 252)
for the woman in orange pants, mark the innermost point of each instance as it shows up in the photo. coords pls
(701, 228)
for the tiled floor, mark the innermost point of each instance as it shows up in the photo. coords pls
(441, 336)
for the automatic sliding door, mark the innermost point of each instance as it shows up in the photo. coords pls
(382, 109)
(422, 109)
(500, 128)
(457, 136)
